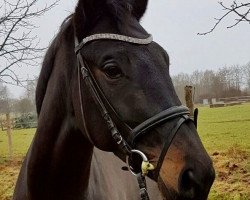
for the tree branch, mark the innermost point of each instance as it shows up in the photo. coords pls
(241, 10)
(18, 46)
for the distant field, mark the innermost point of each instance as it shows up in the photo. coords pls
(220, 128)
(225, 133)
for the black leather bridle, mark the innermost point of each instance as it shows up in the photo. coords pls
(106, 109)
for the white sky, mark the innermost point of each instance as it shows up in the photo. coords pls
(174, 25)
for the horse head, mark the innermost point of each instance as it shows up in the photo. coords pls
(135, 82)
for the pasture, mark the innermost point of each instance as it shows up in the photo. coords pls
(225, 133)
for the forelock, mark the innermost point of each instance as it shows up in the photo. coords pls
(120, 10)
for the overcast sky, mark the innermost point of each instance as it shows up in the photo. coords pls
(174, 25)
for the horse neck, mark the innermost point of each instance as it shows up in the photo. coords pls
(57, 165)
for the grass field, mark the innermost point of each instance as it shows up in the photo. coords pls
(9, 169)
(225, 133)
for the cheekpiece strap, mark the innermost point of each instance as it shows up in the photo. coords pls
(112, 36)
(143, 187)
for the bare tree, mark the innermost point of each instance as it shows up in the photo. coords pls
(180, 81)
(224, 82)
(18, 45)
(240, 11)
(246, 71)
(4, 100)
(31, 90)
(24, 106)
(5, 109)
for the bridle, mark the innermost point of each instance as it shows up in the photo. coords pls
(106, 109)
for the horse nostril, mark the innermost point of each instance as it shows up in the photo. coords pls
(188, 184)
(195, 184)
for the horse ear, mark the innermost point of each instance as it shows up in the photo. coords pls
(86, 14)
(139, 8)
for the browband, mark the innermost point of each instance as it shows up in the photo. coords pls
(112, 36)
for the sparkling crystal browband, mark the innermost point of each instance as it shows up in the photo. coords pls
(111, 36)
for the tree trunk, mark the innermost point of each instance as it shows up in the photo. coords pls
(9, 134)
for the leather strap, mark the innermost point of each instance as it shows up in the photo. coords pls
(156, 120)
(196, 112)
(167, 144)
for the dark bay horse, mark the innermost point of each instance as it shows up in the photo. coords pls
(71, 154)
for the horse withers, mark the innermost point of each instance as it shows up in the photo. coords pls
(105, 85)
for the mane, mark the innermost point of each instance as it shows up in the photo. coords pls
(48, 63)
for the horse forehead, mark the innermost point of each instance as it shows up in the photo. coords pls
(103, 49)
(149, 59)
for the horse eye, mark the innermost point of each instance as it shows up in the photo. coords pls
(112, 71)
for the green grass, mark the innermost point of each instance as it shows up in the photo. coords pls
(225, 133)
(21, 140)
(9, 169)
(220, 128)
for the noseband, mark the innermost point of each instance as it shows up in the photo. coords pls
(127, 146)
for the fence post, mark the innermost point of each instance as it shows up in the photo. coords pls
(2, 125)
(189, 99)
(9, 134)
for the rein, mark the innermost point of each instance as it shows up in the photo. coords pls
(127, 146)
